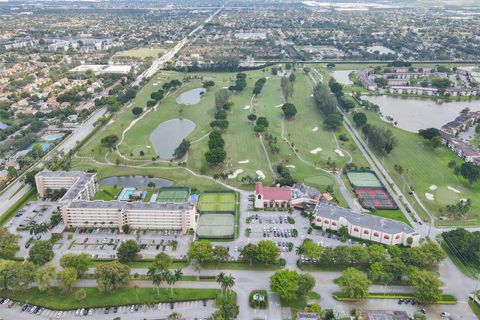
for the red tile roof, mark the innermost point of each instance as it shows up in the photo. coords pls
(273, 193)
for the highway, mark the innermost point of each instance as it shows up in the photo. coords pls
(160, 62)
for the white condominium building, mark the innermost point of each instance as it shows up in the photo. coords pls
(79, 210)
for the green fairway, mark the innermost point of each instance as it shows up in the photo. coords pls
(216, 202)
(427, 168)
(56, 299)
(245, 154)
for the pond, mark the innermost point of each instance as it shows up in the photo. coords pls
(342, 77)
(413, 114)
(168, 136)
(2, 125)
(191, 97)
(134, 181)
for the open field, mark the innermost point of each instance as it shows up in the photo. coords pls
(56, 299)
(428, 167)
(141, 53)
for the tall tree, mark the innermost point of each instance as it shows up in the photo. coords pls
(354, 283)
(41, 252)
(128, 251)
(8, 244)
(111, 276)
(426, 286)
(44, 276)
(267, 251)
(285, 283)
(80, 262)
(67, 279)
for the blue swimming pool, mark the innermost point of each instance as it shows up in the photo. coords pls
(45, 147)
(53, 136)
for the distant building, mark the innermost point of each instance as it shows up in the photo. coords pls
(272, 197)
(365, 226)
(307, 316)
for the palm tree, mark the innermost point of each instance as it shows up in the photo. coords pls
(157, 277)
(171, 278)
(220, 278)
(300, 250)
(228, 282)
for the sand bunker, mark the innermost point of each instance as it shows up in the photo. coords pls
(235, 174)
(291, 166)
(429, 196)
(260, 174)
(316, 150)
(453, 189)
(243, 161)
(148, 147)
(246, 107)
(433, 187)
(339, 152)
(315, 129)
(280, 105)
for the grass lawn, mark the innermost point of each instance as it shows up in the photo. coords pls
(445, 299)
(141, 53)
(107, 193)
(427, 167)
(57, 300)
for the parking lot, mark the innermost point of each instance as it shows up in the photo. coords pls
(103, 243)
(189, 309)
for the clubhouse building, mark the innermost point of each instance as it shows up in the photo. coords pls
(80, 210)
(272, 197)
(365, 226)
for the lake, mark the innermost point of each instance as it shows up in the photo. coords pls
(191, 97)
(134, 181)
(342, 77)
(413, 114)
(168, 136)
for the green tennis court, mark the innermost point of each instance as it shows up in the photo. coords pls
(365, 179)
(216, 226)
(175, 195)
(216, 202)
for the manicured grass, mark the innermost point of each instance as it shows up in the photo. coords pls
(471, 271)
(57, 300)
(107, 193)
(141, 52)
(427, 166)
(31, 195)
(445, 299)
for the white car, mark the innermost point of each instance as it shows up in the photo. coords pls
(445, 314)
(59, 314)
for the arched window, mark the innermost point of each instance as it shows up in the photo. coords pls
(386, 236)
(375, 234)
(397, 236)
(319, 219)
(334, 223)
(355, 229)
(365, 231)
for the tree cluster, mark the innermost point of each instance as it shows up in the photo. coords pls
(284, 176)
(182, 149)
(381, 139)
(290, 285)
(265, 252)
(240, 82)
(464, 244)
(259, 86)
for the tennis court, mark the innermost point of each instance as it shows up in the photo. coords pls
(216, 202)
(173, 195)
(216, 226)
(375, 198)
(360, 179)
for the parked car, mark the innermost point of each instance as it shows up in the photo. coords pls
(445, 315)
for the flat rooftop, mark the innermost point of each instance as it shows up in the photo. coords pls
(135, 205)
(363, 220)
